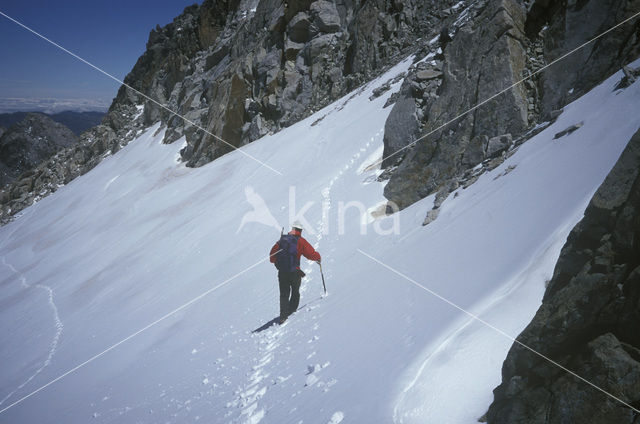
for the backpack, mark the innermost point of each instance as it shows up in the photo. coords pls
(287, 258)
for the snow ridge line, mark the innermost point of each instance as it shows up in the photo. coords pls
(57, 323)
(512, 285)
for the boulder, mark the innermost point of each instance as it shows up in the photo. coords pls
(497, 145)
(298, 29)
(401, 126)
(568, 130)
(325, 16)
(630, 76)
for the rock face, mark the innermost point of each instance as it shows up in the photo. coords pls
(569, 24)
(446, 89)
(511, 39)
(242, 69)
(30, 142)
(588, 321)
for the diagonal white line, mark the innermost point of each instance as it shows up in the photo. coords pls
(564, 56)
(477, 318)
(138, 92)
(93, 358)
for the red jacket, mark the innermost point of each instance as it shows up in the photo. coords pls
(304, 248)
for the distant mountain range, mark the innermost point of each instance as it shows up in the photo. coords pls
(78, 122)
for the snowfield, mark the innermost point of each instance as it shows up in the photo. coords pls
(119, 249)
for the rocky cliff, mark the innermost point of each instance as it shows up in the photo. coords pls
(30, 142)
(511, 40)
(588, 321)
(242, 69)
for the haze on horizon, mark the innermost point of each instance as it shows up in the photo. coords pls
(37, 76)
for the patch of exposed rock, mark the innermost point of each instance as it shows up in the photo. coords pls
(30, 142)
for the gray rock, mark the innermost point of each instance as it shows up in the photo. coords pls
(432, 215)
(568, 25)
(444, 192)
(298, 28)
(630, 76)
(554, 114)
(401, 126)
(325, 16)
(379, 91)
(428, 74)
(469, 76)
(475, 152)
(291, 49)
(498, 145)
(568, 130)
(588, 318)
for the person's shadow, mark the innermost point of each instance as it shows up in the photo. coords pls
(276, 320)
(267, 325)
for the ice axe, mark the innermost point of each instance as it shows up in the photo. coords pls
(322, 275)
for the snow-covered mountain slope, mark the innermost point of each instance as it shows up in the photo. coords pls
(141, 235)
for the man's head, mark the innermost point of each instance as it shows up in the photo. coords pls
(297, 226)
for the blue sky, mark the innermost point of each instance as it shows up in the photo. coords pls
(110, 34)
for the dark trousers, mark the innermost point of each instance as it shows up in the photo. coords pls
(289, 292)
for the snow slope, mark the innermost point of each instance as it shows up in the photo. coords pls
(120, 248)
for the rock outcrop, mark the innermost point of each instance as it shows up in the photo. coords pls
(588, 321)
(569, 24)
(442, 90)
(242, 69)
(28, 143)
(511, 40)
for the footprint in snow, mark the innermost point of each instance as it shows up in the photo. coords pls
(336, 418)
